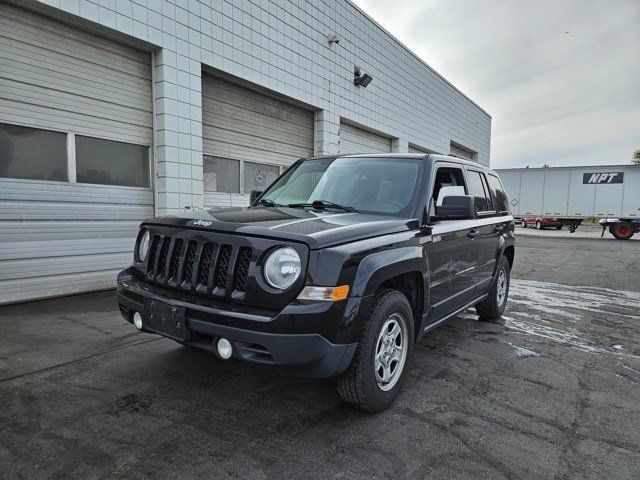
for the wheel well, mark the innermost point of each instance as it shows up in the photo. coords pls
(509, 253)
(411, 285)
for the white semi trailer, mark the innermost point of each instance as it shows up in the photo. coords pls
(571, 194)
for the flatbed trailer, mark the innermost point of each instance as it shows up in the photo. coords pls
(573, 194)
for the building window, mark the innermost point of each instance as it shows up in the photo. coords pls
(221, 174)
(258, 176)
(108, 162)
(32, 153)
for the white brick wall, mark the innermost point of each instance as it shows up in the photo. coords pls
(282, 45)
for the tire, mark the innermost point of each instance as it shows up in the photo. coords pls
(359, 385)
(559, 227)
(492, 307)
(622, 230)
(538, 225)
(523, 224)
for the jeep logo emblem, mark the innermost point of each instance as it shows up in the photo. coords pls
(201, 223)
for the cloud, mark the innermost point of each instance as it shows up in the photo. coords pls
(561, 78)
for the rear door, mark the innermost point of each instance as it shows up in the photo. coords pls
(488, 228)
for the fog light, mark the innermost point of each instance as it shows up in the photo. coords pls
(224, 349)
(137, 320)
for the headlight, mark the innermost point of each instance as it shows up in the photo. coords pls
(282, 268)
(143, 246)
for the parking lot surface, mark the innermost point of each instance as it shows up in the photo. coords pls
(550, 391)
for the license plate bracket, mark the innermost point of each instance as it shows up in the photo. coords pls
(167, 320)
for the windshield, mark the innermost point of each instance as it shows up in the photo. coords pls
(371, 185)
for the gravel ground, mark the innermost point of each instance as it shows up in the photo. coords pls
(550, 391)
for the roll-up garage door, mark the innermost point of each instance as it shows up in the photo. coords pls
(66, 93)
(462, 152)
(247, 137)
(414, 149)
(357, 140)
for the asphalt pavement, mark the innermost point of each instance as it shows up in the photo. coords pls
(550, 391)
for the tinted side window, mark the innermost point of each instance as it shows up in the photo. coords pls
(448, 182)
(499, 194)
(221, 174)
(480, 192)
(108, 162)
(32, 153)
(258, 176)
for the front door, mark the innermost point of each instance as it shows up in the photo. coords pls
(452, 251)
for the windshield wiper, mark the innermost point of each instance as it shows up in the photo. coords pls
(267, 203)
(322, 204)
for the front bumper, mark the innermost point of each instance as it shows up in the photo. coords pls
(284, 339)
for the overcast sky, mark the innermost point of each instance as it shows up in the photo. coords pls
(560, 78)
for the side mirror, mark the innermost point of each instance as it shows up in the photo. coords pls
(456, 207)
(253, 196)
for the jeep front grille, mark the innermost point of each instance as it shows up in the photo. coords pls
(203, 266)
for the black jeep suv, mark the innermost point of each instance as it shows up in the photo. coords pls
(335, 270)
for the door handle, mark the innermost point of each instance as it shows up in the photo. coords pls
(473, 234)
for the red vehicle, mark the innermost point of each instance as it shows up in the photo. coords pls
(541, 222)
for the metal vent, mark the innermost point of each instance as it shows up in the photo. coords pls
(162, 257)
(151, 260)
(176, 255)
(189, 261)
(242, 269)
(205, 263)
(222, 267)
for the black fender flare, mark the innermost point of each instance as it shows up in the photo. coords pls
(378, 267)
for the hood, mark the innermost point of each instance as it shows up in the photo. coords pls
(318, 229)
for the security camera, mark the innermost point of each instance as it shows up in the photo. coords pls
(333, 38)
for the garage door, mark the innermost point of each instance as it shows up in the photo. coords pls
(462, 152)
(414, 149)
(357, 140)
(66, 94)
(247, 138)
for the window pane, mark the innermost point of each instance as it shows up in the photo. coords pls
(32, 153)
(498, 192)
(111, 163)
(221, 174)
(258, 176)
(477, 190)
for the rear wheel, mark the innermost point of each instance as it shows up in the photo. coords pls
(538, 225)
(622, 230)
(376, 374)
(558, 227)
(493, 306)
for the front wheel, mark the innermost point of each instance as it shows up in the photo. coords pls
(376, 374)
(523, 223)
(493, 306)
(538, 225)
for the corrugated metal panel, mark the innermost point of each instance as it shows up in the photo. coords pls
(241, 124)
(57, 77)
(58, 238)
(462, 153)
(357, 140)
(414, 149)
(54, 233)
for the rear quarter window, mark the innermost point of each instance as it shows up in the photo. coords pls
(502, 202)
